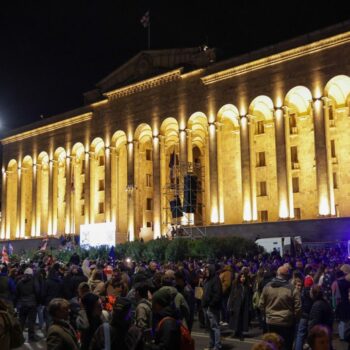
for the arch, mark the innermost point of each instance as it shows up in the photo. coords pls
(262, 108)
(60, 155)
(78, 150)
(43, 158)
(26, 197)
(97, 145)
(338, 90)
(42, 195)
(143, 133)
(298, 99)
(27, 161)
(12, 164)
(229, 115)
(170, 130)
(198, 123)
(119, 139)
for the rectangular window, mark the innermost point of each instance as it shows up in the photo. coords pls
(262, 188)
(293, 124)
(82, 194)
(295, 184)
(148, 180)
(82, 211)
(149, 204)
(263, 216)
(335, 181)
(331, 114)
(260, 159)
(149, 224)
(259, 128)
(294, 154)
(82, 170)
(101, 185)
(101, 208)
(333, 149)
(148, 154)
(297, 213)
(101, 160)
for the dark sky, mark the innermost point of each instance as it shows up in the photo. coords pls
(53, 51)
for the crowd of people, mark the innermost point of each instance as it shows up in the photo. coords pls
(297, 301)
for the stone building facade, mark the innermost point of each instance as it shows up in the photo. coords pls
(266, 134)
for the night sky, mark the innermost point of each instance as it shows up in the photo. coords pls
(53, 51)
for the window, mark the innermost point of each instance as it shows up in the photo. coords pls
(295, 184)
(297, 213)
(259, 128)
(148, 180)
(82, 170)
(293, 124)
(294, 154)
(335, 181)
(148, 154)
(82, 210)
(260, 159)
(82, 194)
(333, 149)
(101, 160)
(331, 113)
(101, 185)
(263, 216)
(149, 204)
(262, 188)
(149, 224)
(101, 208)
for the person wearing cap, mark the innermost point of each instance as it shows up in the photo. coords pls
(27, 294)
(123, 335)
(281, 303)
(306, 304)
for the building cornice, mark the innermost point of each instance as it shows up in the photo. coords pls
(283, 56)
(144, 84)
(47, 128)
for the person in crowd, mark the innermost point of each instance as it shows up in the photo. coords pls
(122, 334)
(319, 338)
(281, 303)
(96, 282)
(211, 303)
(226, 283)
(273, 339)
(306, 304)
(143, 312)
(321, 312)
(7, 287)
(61, 335)
(239, 306)
(27, 294)
(89, 318)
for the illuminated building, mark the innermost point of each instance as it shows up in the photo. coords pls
(270, 131)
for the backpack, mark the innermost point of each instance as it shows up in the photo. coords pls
(186, 341)
(15, 330)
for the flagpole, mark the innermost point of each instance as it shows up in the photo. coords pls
(149, 35)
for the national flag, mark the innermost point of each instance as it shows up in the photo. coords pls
(112, 254)
(44, 244)
(5, 256)
(10, 249)
(145, 20)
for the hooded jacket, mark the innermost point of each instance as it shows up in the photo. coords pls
(280, 302)
(212, 293)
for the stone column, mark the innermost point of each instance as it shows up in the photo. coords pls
(130, 189)
(19, 230)
(321, 157)
(87, 188)
(220, 174)
(68, 195)
(50, 213)
(3, 205)
(108, 184)
(213, 164)
(117, 199)
(34, 200)
(156, 188)
(183, 148)
(189, 150)
(288, 162)
(245, 169)
(283, 201)
(327, 107)
(163, 182)
(251, 124)
(73, 206)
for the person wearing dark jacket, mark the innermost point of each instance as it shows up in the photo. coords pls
(211, 303)
(27, 294)
(321, 312)
(167, 328)
(306, 304)
(239, 305)
(7, 288)
(281, 303)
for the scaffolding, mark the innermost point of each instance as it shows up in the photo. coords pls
(186, 202)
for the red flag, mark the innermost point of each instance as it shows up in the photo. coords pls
(5, 256)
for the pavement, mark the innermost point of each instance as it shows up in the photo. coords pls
(201, 338)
